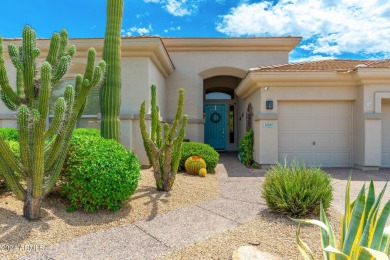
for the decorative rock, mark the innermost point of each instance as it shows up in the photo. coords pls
(252, 253)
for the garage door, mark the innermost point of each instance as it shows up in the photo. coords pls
(386, 135)
(317, 133)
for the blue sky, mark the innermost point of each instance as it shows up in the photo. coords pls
(358, 29)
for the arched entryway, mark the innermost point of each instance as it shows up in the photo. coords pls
(220, 112)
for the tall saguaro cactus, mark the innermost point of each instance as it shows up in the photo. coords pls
(163, 148)
(110, 94)
(42, 148)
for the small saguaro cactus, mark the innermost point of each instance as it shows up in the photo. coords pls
(193, 164)
(163, 148)
(42, 147)
(110, 92)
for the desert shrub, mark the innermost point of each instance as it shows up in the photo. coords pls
(99, 173)
(205, 151)
(10, 134)
(86, 132)
(297, 190)
(245, 149)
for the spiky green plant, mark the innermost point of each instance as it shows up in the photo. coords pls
(362, 234)
(110, 94)
(163, 148)
(42, 147)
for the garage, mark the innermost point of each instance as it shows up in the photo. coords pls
(317, 133)
(385, 133)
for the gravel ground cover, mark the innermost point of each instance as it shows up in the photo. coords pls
(269, 232)
(57, 225)
(232, 183)
(274, 233)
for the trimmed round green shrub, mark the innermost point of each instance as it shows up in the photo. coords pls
(99, 173)
(86, 132)
(297, 190)
(10, 134)
(205, 151)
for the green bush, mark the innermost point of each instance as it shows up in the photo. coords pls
(245, 150)
(10, 134)
(86, 132)
(99, 173)
(297, 190)
(14, 145)
(205, 151)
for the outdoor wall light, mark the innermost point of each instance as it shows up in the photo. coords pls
(266, 88)
(269, 104)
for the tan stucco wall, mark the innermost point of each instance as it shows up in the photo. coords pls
(365, 89)
(189, 66)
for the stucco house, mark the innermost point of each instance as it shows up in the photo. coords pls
(329, 113)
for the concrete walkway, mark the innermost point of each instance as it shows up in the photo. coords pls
(240, 202)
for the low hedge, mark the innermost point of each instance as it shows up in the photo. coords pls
(205, 151)
(98, 173)
(86, 132)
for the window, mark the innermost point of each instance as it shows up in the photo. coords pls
(231, 124)
(249, 117)
(218, 95)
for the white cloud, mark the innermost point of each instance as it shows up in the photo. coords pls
(137, 30)
(329, 26)
(178, 7)
(177, 28)
(311, 58)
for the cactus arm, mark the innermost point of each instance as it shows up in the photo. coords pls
(158, 131)
(59, 112)
(9, 104)
(78, 83)
(29, 45)
(15, 57)
(154, 113)
(7, 155)
(4, 82)
(55, 171)
(144, 133)
(22, 120)
(179, 112)
(63, 43)
(53, 49)
(12, 180)
(54, 151)
(176, 155)
(110, 94)
(61, 69)
(90, 64)
(20, 85)
(38, 166)
(71, 50)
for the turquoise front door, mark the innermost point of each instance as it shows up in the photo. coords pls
(215, 126)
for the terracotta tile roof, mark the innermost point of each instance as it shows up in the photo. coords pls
(326, 65)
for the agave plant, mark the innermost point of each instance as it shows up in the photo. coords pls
(362, 233)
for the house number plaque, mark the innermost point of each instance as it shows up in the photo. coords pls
(268, 125)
